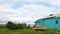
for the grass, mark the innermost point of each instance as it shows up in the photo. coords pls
(27, 31)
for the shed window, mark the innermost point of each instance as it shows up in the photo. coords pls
(56, 21)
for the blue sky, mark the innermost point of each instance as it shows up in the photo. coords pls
(27, 10)
(16, 6)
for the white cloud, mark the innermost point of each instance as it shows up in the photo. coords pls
(31, 1)
(29, 12)
(53, 2)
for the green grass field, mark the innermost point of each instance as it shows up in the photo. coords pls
(27, 31)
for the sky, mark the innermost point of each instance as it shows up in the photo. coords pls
(27, 10)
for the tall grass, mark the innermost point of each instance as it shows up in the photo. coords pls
(27, 31)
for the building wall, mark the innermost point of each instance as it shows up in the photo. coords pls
(50, 23)
(58, 25)
(39, 23)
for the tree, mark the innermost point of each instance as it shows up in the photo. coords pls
(34, 25)
(28, 26)
(11, 25)
(24, 25)
(21, 26)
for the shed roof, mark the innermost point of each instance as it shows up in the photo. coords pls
(48, 17)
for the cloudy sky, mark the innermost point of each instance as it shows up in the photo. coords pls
(27, 10)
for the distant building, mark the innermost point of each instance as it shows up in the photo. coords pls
(51, 22)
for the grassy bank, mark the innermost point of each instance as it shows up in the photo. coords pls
(27, 31)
